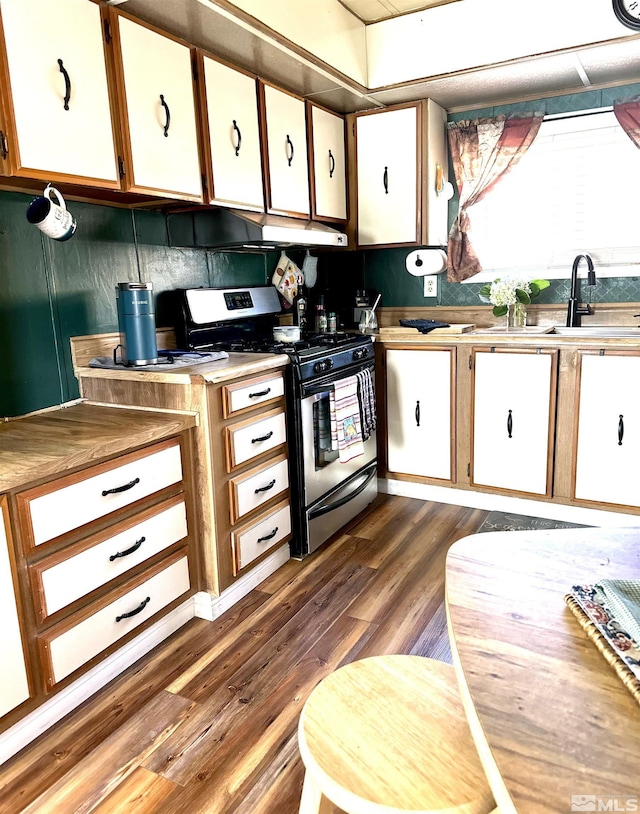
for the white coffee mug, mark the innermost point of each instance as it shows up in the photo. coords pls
(54, 219)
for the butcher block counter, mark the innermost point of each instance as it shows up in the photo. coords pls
(56, 442)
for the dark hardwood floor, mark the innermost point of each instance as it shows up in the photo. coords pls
(207, 722)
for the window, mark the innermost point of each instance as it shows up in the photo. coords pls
(574, 191)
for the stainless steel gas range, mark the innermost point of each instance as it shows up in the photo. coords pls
(326, 493)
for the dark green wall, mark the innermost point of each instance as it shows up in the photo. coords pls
(51, 291)
(384, 269)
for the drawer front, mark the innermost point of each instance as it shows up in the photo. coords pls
(64, 582)
(79, 644)
(252, 490)
(240, 396)
(63, 509)
(252, 542)
(249, 440)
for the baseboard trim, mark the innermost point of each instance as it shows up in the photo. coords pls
(504, 503)
(50, 712)
(210, 607)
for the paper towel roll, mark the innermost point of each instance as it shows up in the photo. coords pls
(426, 261)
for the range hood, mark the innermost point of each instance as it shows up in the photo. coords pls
(236, 230)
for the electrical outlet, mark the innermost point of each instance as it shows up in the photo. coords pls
(430, 285)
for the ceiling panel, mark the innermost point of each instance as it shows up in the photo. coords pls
(374, 11)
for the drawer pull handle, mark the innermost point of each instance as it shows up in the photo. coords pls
(268, 536)
(67, 84)
(289, 157)
(135, 611)
(417, 413)
(510, 424)
(128, 551)
(332, 164)
(266, 488)
(117, 489)
(620, 430)
(385, 180)
(261, 393)
(262, 438)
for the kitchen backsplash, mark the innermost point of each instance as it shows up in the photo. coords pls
(50, 291)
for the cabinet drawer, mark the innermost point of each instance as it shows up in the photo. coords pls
(66, 648)
(257, 487)
(239, 396)
(59, 582)
(253, 541)
(247, 440)
(70, 502)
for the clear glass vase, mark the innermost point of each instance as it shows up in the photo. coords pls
(517, 316)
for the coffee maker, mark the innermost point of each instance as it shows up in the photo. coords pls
(137, 324)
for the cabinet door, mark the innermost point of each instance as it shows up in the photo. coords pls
(233, 136)
(329, 170)
(161, 139)
(14, 687)
(387, 167)
(608, 446)
(513, 406)
(287, 184)
(58, 100)
(420, 416)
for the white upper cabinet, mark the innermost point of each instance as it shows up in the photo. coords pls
(608, 446)
(161, 140)
(285, 153)
(14, 686)
(397, 152)
(513, 420)
(56, 92)
(328, 164)
(232, 135)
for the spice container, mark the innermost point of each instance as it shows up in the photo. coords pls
(332, 322)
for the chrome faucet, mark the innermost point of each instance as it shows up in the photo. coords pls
(575, 310)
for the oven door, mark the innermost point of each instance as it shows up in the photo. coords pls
(323, 471)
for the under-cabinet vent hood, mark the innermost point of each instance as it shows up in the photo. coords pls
(234, 230)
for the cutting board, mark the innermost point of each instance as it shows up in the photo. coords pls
(400, 332)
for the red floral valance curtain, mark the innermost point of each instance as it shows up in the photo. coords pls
(482, 152)
(628, 116)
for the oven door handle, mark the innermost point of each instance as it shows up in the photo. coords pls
(343, 500)
(308, 392)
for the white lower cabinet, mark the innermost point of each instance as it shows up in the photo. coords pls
(608, 428)
(420, 412)
(14, 685)
(513, 419)
(76, 641)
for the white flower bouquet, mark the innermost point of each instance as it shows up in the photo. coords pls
(506, 291)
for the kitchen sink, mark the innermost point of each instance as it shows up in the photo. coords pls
(603, 331)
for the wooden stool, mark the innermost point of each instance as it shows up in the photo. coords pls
(390, 733)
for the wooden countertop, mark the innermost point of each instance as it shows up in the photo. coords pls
(234, 367)
(549, 716)
(54, 442)
(482, 337)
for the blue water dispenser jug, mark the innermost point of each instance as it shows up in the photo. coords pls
(137, 324)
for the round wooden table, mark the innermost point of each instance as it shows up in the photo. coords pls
(389, 733)
(556, 729)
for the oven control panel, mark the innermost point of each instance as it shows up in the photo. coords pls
(323, 366)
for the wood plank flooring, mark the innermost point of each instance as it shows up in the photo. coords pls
(207, 722)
